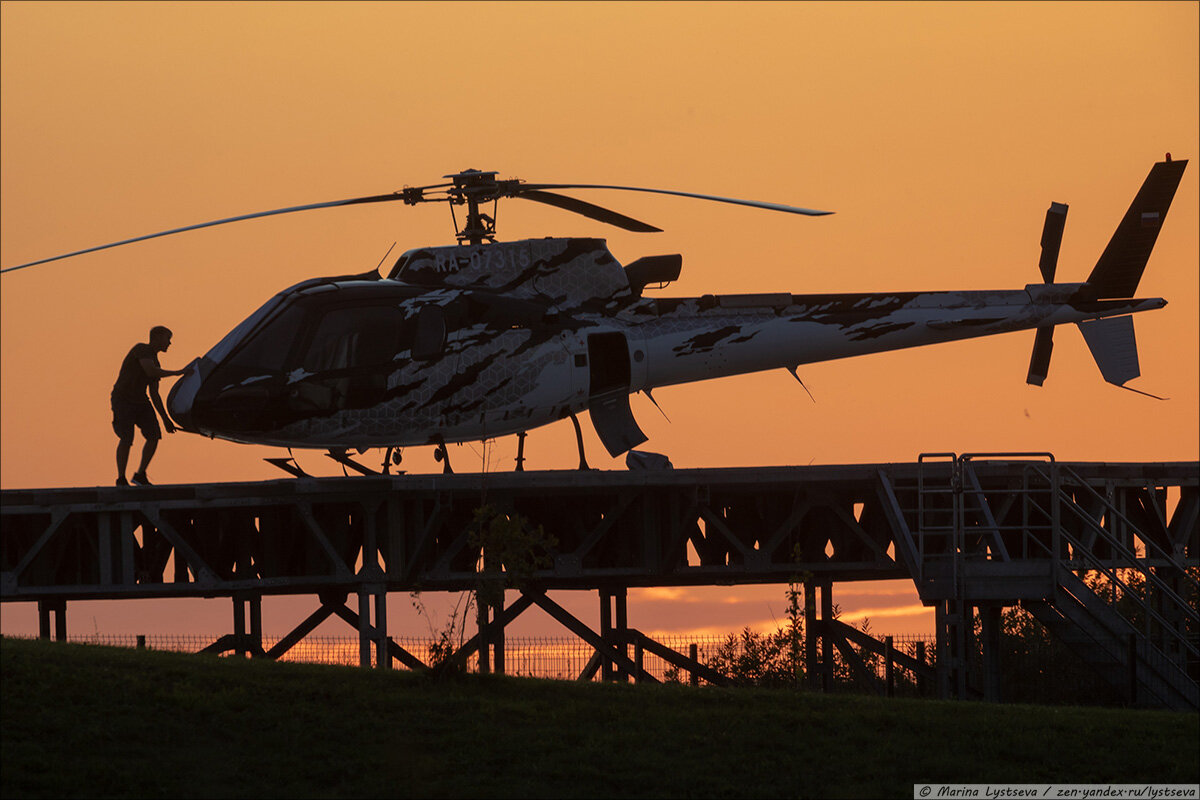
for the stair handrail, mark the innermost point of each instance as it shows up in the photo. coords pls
(1111, 575)
(1026, 460)
(1149, 542)
(1087, 556)
(1128, 555)
(1151, 577)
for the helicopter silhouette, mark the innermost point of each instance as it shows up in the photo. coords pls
(483, 339)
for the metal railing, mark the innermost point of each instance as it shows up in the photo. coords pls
(951, 504)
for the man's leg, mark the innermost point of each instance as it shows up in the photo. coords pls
(123, 447)
(147, 422)
(147, 453)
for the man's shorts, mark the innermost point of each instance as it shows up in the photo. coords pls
(126, 415)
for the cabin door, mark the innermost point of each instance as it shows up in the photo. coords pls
(608, 392)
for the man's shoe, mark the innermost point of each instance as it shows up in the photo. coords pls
(122, 482)
(140, 479)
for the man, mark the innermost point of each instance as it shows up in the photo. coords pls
(132, 394)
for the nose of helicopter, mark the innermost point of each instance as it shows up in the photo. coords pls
(182, 398)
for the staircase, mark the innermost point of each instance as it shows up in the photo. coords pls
(994, 530)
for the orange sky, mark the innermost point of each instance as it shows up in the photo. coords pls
(939, 133)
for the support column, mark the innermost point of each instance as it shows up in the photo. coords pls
(606, 665)
(497, 626)
(810, 634)
(966, 649)
(372, 631)
(483, 654)
(57, 608)
(945, 655)
(990, 618)
(373, 589)
(622, 630)
(942, 645)
(889, 655)
(826, 639)
(953, 619)
(383, 654)
(614, 631)
(247, 612)
(922, 686)
(490, 625)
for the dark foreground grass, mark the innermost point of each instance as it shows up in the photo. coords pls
(81, 720)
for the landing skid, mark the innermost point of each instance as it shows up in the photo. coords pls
(392, 457)
(345, 460)
(288, 465)
(293, 468)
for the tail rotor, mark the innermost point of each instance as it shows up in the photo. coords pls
(1043, 343)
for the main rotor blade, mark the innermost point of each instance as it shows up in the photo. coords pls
(587, 209)
(379, 198)
(755, 203)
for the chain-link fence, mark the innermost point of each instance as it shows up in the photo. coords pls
(1033, 667)
(564, 658)
(539, 657)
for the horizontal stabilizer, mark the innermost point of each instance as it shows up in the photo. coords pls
(1114, 347)
(1120, 267)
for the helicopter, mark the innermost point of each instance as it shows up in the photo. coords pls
(486, 338)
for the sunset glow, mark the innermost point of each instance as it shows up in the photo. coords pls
(938, 133)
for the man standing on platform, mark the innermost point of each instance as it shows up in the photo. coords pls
(136, 388)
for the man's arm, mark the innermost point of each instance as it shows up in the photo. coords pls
(154, 371)
(156, 399)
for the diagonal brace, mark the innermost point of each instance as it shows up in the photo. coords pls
(576, 627)
(204, 573)
(396, 651)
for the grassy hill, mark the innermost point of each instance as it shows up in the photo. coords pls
(80, 720)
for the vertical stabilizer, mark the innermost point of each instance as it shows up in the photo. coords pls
(1120, 267)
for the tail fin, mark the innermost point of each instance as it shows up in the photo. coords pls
(1120, 267)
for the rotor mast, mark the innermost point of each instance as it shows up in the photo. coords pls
(473, 187)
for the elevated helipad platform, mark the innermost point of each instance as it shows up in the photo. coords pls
(970, 531)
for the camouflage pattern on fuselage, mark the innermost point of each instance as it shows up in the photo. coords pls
(519, 347)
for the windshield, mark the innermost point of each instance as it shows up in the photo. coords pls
(235, 336)
(268, 347)
(354, 336)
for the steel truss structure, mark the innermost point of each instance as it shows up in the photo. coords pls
(1078, 544)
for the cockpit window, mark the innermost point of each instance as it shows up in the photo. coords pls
(267, 350)
(354, 336)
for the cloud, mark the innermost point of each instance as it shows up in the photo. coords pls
(896, 611)
(675, 594)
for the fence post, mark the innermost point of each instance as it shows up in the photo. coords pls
(693, 654)
(141, 641)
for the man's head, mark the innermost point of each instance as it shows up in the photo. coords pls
(160, 338)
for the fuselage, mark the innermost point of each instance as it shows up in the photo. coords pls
(470, 342)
